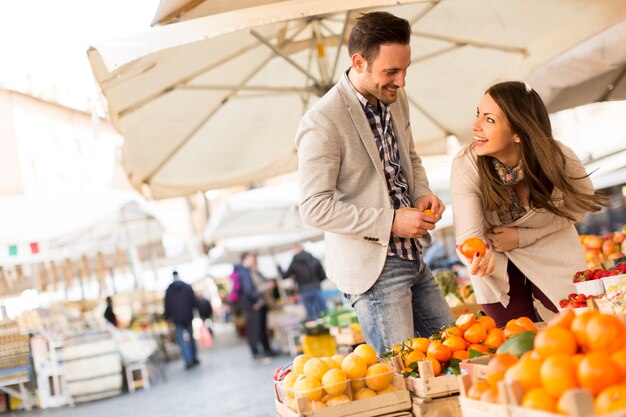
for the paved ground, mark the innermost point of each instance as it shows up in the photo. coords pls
(226, 383)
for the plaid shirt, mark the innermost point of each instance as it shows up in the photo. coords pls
(379, 117)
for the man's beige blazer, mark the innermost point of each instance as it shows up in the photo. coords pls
(342, 184)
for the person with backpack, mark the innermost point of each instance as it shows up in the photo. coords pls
(308, 273)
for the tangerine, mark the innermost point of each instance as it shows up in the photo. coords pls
(512, 328)
(367, 352)
(464, 321)
(526, 371)
(558, 374)
(453, 331)
(420, 343)
(439, 351)
(605, 333)
(563, 319)
(379, 376)
(478, 348)
(579, 327)
(539, 399)
(597, 372)
(354, 366)
(461, 354)
(526, 323)
(495, 338)
(455, 343)
(413, 356)
(497, 367)
(611, 399)
(487, 321)
(555, 340)
(334, 381)
(472, 246)
(428, 211)
(299, 361)
(620, 358)
(476, 333)
(436, 365)
(476, 390)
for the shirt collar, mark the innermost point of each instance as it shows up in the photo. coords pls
(362, 99)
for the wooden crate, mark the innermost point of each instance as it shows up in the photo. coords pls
(430, 386)
(347, 336)
(379, 405)
(476, 368)
(441, 407)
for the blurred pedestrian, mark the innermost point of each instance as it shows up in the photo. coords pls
(109, 314)
(205, 311)
(308, 273)
(255, 292)
(180, 303)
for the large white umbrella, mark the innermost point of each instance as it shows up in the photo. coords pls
(215, 101)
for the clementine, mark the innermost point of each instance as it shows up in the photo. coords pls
(495, 338)
(461, 354)
(464, 321)
(563, 319)
(367, 352)
(472, 246)
(579, 327)
(334, 381)
(487, 321)
(477, 388)
(497, 367)
(379, 376)
(558, 374)
(476, 333)
(605, 333)
(436, 365)
(611, 399)
(413, 356)
(539, 399)
(455, 343)
(555, 340)
(354, 366)
(597, 372)
(439, 351)
(420, 343)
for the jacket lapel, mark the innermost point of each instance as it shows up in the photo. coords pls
(362, 125)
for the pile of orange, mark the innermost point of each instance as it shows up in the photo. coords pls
(471, 335)
(329, 381)
(574, 351)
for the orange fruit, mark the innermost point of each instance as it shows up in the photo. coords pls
(487, 321)
(620, 358)
(330, 362)
(356, 384)
(526, 323)
(477, 388)
(579, 327)
(338, 359)
(420, 343)
(526, 371)
(288, 383)
(605, 333)
(439, 351)
(478, 348)
(436, 365)
(558, 374)
(596, 372)
(490, 395)
(471, 246)
(497, 367)
(476, 333)
(512, 328)
(455, 343)
(611, 399)
(310, 388)
(563, 319)
(413, 356)
(354, 366)
(315, 368)
(390, 388)
(461, 354)
(367, 352)
(495, 338)
(379, 376)
(299, 361)
(555, 340)
(334, 400)
(539, 399)
(428, 211)
(334, 381)
(453, 331)
(364, 393)
(464, 321)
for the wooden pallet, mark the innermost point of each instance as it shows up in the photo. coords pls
(430, 386)
(441, 407)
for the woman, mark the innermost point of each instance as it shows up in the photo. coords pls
(521, 191)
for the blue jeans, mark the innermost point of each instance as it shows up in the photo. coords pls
(187, 347)
(314, 302)
(404, 302)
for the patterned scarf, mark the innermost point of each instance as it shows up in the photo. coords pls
(510, 177)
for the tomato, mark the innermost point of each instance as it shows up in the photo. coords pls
(471, 246)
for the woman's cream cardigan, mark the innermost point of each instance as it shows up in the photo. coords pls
(549, 250)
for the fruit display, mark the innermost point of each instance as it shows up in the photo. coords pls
(575, 300)
(600, 249)
(585, 351)
(331, 381)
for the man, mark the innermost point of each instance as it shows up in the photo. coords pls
(180, 302)
(254, 298)
(362, 183)
(109, 314)
(308, 272)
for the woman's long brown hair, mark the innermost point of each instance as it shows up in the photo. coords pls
(543, 160)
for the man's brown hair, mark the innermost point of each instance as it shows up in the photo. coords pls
(374, 29)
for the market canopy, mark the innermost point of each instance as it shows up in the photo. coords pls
(214, 101)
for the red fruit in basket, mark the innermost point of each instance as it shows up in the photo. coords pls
(581, 298)
(564, 303)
